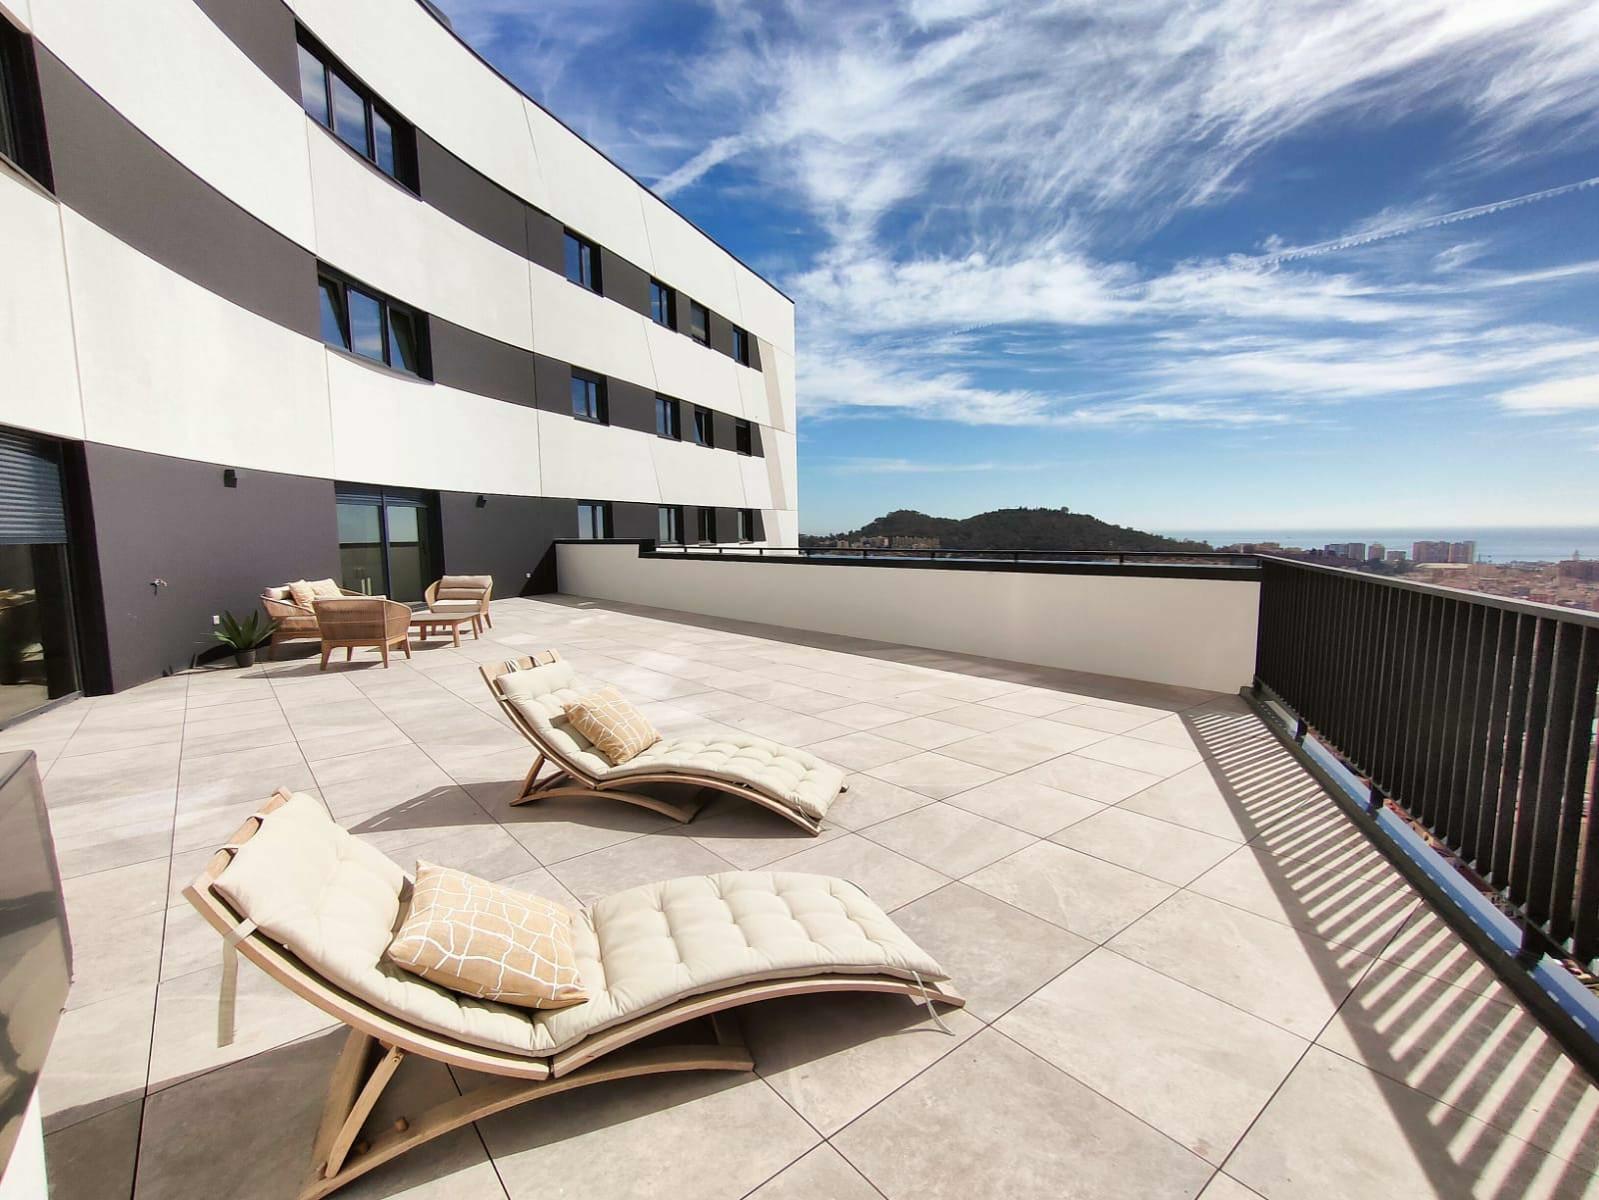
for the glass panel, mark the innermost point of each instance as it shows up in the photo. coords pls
(335, 326)
(360, 549)
(579, 262)
(404, 349)
(698, 323)
(410, 552)
(586, 514)
(8, 137)
(382, 143)
(349, 115)
(366, 324)
(585, 398)
(313, 86)
(702, 427)
(37, 663)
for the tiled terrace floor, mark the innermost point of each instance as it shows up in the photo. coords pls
(1187, 973)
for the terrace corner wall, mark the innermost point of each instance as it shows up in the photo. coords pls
(1197, 633)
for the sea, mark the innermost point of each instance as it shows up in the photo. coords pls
(1502, 543)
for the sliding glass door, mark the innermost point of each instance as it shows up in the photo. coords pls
(38, 652)
(387, 541)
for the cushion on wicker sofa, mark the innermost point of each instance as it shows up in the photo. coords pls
(798, 780)
(334, 901)
(463, 587)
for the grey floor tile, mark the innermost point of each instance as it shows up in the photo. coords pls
(870, 800)
(1093, 899)
(1109, 783)
(641, 860)
(94, 1159)
(934, 774)
(1024, 804)
(1168, 852)
(948, 839)
(823, 1174)
(99, 1059)
(887, 877)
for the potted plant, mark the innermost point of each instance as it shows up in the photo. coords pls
(244, 636)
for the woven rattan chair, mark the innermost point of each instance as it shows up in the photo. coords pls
(295, 623)
(367, 621)
(458, 593)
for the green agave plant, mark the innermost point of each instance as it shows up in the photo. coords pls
(244, 635)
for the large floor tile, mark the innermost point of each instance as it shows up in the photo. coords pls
(1109, 783)
(1167, 852)
(834, 1056)
(111, 956)
(566, 827)
(995, 953)
(1142, 755)
(861, 751)
(823, 1174)
(1093, 899)
(994, 1119)
(1200, 798)
(1426, 943)
(709, 1135)
(870, 800)
(934, 774)
(94, 1159)
(887, 877)
(1195, 1068)
(925, 733)
(1266, 968)
(1338, 1130)
(949, 839)
(99, 1059)
(1033, 807)
(750, 835)
(641, 860)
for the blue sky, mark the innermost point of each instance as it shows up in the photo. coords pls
(1241, 264)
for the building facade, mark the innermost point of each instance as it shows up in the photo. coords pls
(303, 289)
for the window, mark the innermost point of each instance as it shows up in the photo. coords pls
(704, 433)
(21, 112)
(699, 323)
(671, 521)
(593, 520)
(743, 439)
(746, 524)
(741, 346)
(365, 322)
(707, 523)
(582, 262)
(332, 98)
(386, 540)
(588, 397)
(663, 304)
(668, 419)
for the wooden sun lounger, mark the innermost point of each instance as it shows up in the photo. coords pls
(377, 1043)
(571, 779)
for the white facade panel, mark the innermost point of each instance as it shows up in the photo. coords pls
(41, 374)
(391, 429)
(752, 395)
(378, 232)
(757, 481)
(692, 372)
(576, 326)
(781, 389)
(690, 474)
(781, 453)
(171, 368)
(420, 68)
(164, 66)
(767, 312)
(690, 261)
(18, 12)
(586, 461)
(588, 192)
(782, 528)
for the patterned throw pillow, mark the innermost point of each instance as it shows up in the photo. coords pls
(325, 589)
(617, 729)
(302, 593)
(488, 941)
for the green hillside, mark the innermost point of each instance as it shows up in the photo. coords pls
(1014, 529)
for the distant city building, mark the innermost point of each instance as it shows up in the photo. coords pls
(1395, 556)
(914, 543)
(1585, 570)
(1462, 552)
(1376, 552)
(1430, 552)
(1351, 550)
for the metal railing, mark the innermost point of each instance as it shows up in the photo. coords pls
(950, 554)
(1471, 714)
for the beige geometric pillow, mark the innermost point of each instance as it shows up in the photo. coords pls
(325, 589)
(488, 941)
(302, 593)
(617, 729)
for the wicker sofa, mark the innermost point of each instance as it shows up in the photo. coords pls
(296, 623)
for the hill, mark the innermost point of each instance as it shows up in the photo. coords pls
(1013, 529)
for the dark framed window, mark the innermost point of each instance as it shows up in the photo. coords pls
(668, 418)
(583, 262)
(593, 519)
(671, 525)
(22, 139)
(707, 524)
(588, 397)
(387, 540)
(704, 430)
(663, 304)
(332, 97)
(746, 524)
(366, 322)
(741, 346)
(743, 439)
(699, 323)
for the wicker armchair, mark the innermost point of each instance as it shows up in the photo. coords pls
(364, 621)
(462, 593)
(295, 623)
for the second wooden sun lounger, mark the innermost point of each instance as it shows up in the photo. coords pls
(533, 692)
(315, 908)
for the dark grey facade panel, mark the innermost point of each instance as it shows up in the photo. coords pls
(112, 174)
(727, 524)
(508, 537)
(264, 31)
(754, 343)
(546, 241)
(465, 359)
(632, 407)
(721, 334)
(552, 384)
(630, 519)
(623, 282)
(465, 195)
(722, 430)
(756, 448)
(214, 547)
(760, 525)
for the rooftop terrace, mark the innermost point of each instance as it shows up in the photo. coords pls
(1188, 973)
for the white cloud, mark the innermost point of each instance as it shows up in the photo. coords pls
(1553, 395)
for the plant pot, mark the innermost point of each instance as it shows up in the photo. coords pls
(244, 658)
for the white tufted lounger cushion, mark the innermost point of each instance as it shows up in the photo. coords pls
(334, 902)
(799, 781)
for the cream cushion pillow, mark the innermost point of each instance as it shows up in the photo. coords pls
(302, 593)
(617, 729)
(488, 941)
(325, 589)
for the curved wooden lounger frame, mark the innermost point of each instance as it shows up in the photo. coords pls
(571, 780)
(378, 1043)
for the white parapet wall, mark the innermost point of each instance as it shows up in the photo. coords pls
(1188, 631)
